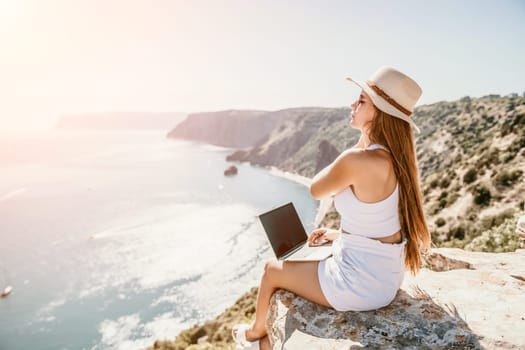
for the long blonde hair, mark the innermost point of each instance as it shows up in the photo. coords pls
(397, 136)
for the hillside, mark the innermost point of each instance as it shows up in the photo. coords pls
(472, 160)
(470, 151)
(119, 121)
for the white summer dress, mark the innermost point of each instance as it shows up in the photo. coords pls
(363, 273)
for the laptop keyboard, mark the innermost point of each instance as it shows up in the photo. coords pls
(308, 252)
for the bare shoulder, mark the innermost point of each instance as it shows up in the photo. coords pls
(368, 162)
(366, 157)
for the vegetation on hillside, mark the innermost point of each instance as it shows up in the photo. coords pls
(472, 160)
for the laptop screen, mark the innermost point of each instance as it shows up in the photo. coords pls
(283, 228)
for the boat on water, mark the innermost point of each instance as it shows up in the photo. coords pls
(6, 291)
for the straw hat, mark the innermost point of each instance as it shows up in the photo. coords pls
(392, 92)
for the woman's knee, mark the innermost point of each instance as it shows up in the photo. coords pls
(271, 266)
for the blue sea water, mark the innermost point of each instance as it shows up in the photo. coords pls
(112, 240)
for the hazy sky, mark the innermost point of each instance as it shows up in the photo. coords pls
(187, 56)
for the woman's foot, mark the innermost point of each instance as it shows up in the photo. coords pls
(251, 333)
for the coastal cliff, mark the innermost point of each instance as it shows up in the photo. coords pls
(230, 128)
(303, 142)
(280, 138)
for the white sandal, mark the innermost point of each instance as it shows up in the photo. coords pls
(240, 338)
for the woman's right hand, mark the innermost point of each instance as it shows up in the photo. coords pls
(322, 235)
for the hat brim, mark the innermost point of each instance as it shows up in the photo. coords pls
(382, 104)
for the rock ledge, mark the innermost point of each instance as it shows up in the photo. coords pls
(480, 304)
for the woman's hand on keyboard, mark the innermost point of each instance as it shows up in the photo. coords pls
(322, 235)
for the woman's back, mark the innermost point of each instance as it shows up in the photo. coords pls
(379, 179)
(369, 207)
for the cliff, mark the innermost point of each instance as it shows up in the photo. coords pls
(119, 121)
(230, 128)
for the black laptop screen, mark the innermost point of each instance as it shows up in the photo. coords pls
(284, 228)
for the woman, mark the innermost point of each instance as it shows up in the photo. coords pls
(375, 185)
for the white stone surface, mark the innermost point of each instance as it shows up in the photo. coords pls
(481, 306)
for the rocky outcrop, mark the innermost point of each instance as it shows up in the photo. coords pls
(481, 306)
(438, 262)
(230, 171)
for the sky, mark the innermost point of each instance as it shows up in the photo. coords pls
(76, 56)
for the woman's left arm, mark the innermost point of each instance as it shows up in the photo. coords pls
(335, 177)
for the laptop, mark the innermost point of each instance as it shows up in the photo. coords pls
(288, 237)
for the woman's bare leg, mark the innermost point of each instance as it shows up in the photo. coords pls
(299, 277)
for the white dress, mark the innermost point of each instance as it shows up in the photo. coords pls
(363, 273)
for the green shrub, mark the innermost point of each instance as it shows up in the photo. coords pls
(493, 156)
(491, 221)
(507, 178)
(452, 197)
(457, 232)
(519, 119)
(453, 243)
(440, 222)
(445, 182)
(436, 208)
(482, 196)
(513, 123)
(488, 158)
(508, 156)
(517, 145)
(470, 176)
(502, 238)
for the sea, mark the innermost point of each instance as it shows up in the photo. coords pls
(114, 239)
